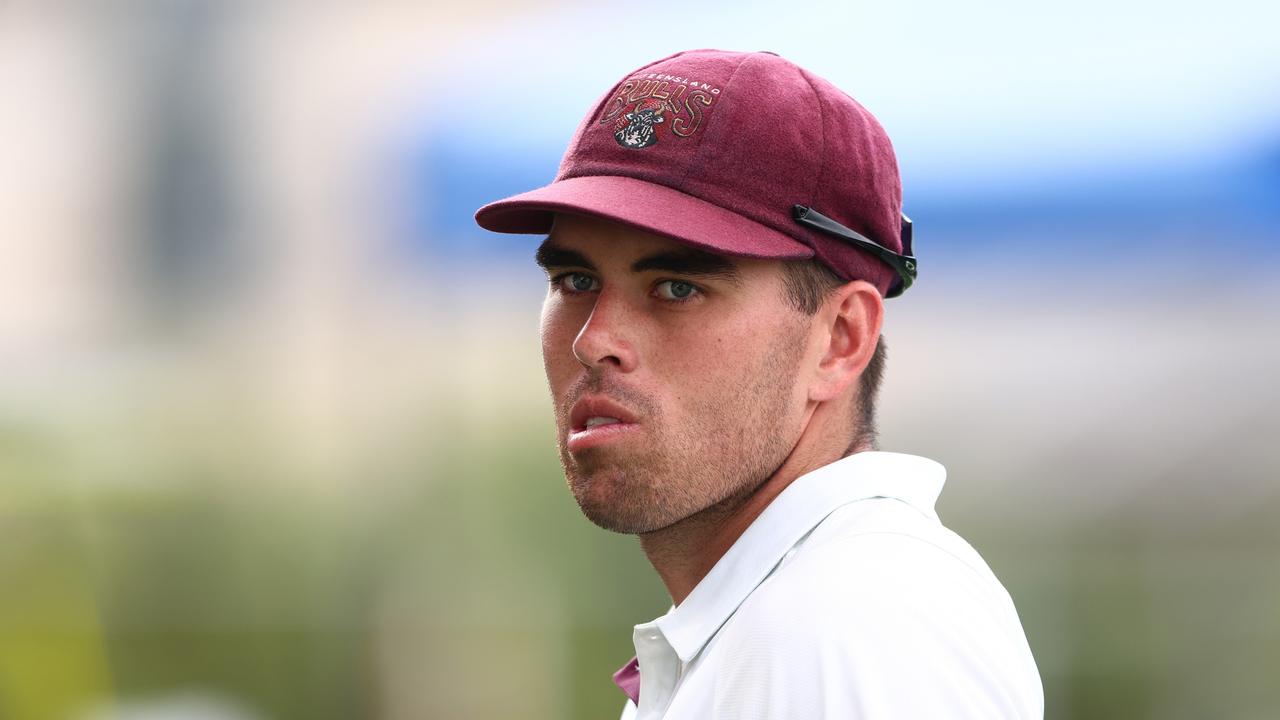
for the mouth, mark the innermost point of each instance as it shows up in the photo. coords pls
(596, 420)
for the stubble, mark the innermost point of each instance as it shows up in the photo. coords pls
(725, 445)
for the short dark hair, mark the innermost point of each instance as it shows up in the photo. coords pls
(807, 283)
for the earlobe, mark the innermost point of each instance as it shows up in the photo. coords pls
(850, 319)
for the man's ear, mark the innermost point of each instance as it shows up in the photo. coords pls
(849, 324)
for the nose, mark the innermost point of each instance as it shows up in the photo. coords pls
(605, 338)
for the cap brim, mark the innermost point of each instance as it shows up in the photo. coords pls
(654, 208)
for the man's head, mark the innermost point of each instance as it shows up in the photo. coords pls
(703, 368)
(725, 228)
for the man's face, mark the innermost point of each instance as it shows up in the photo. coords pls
(674, 372)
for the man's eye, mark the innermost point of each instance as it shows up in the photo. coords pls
(576, 282)
(676, 290)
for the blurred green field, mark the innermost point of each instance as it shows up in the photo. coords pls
(170, 552)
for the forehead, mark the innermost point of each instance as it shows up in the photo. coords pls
(590, 242)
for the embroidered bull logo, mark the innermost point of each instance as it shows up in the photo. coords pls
(640, 130)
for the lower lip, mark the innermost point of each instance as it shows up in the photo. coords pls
(599, 435)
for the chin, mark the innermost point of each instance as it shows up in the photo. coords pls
(613, 502)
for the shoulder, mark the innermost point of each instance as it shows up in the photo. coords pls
(889, 613)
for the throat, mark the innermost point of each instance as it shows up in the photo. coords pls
(684, 552)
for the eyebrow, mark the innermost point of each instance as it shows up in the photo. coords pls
(551, 255)
(689, 262)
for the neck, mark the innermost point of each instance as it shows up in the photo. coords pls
(683, 553)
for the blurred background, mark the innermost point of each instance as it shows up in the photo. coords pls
(274, 434)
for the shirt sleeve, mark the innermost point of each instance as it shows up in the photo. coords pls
(875, 627)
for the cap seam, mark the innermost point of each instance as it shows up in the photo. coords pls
(688, 170)
(822, 151)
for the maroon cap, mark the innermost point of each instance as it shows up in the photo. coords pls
(717, 149)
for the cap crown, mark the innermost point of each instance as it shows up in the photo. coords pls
(755, 134)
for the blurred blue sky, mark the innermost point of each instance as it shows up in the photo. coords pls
(1052, 129)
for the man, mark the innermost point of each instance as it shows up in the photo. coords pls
(722, 233)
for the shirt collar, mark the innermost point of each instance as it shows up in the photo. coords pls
(805, 503)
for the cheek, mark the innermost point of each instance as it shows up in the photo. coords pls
(558, 332)
(711, 358)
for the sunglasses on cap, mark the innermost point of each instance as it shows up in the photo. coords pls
(904, 265)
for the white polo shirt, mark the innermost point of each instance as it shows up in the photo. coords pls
(846, 598)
